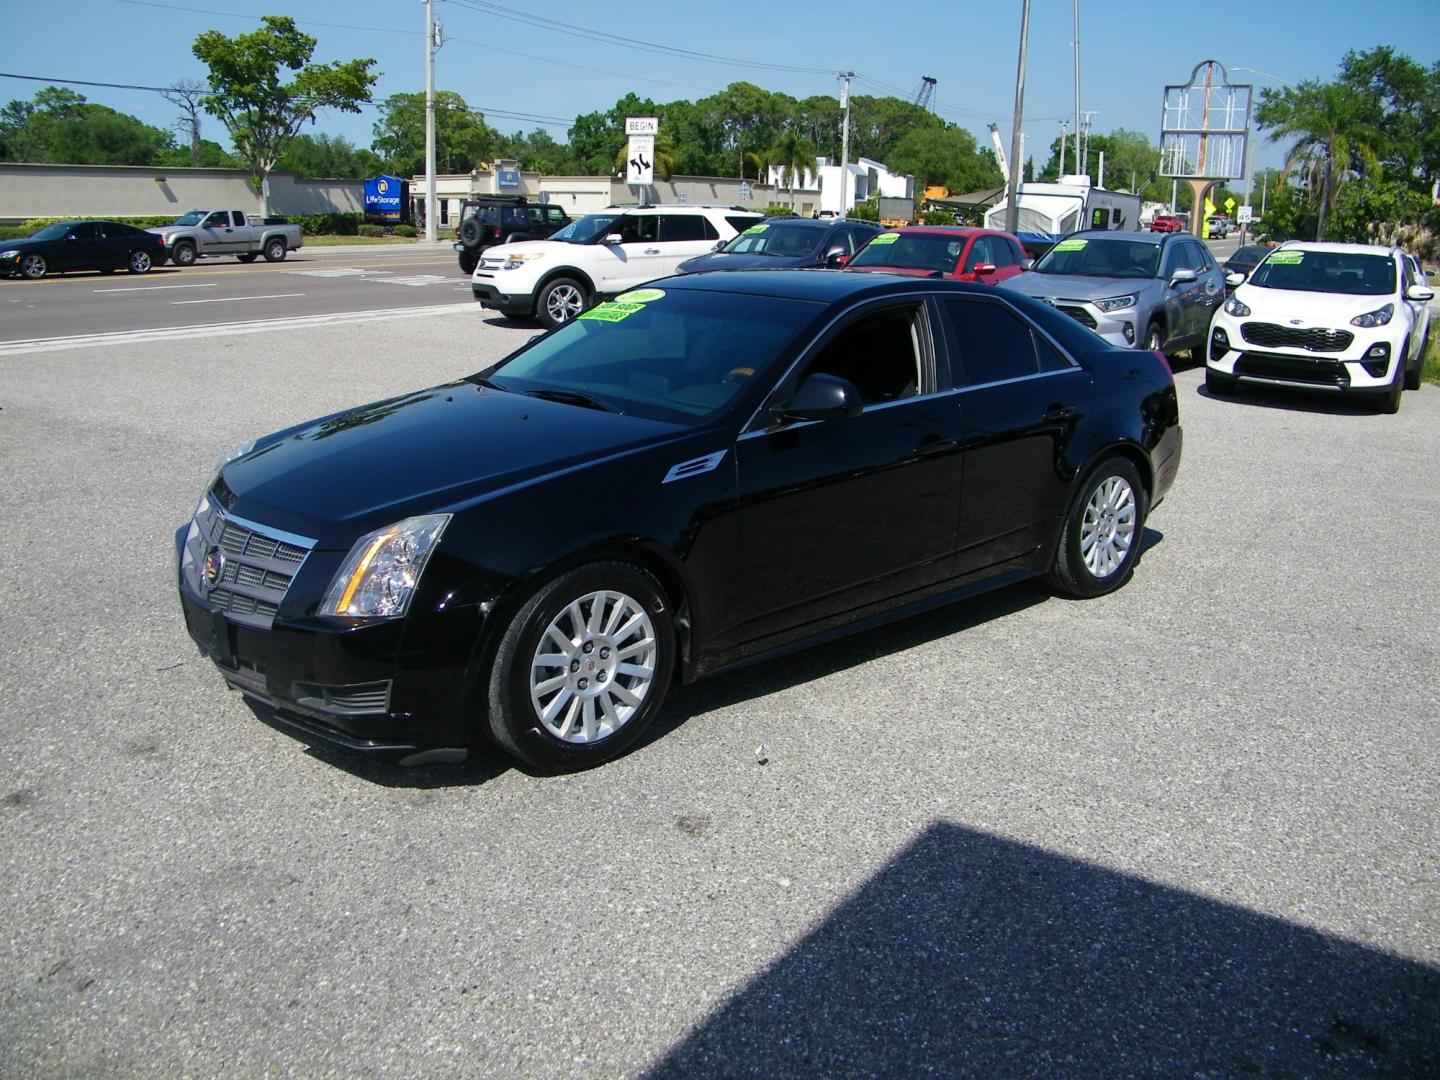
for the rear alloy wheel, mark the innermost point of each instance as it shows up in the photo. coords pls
(139, 262)
(275, 250)
(560, 302)
(183, 254)
(583, 667)
(33, 266)
(1101, 539)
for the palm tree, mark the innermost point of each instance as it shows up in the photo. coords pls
(1332, 133)
(795, 157)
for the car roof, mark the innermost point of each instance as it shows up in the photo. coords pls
(820, 286)
(1153, 239)
(942, 230)
(1338, 249)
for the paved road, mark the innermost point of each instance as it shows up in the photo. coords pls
(1186, 829)
(312, 282)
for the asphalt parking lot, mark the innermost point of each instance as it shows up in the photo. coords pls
(1185, 829)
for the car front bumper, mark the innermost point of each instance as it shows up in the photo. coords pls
(1257, 351)
(507, 303)
(1120, 328)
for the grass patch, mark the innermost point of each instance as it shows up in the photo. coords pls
(352, 241)
(1432, 358)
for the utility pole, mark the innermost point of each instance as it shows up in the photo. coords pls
(1012, 206)
(430, 42)
(845, 189)
(1064, 132)
(1077, 88)
(1084, 158)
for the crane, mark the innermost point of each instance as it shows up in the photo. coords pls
(925, 91)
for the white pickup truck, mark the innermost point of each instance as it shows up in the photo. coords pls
(227, 232)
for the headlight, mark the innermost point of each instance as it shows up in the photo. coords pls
(514, 262)
(1378, 317)
(11, 254)
(1235, 306)
(379, 576)
(1115, 303)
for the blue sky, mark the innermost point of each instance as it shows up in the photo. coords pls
(1129, 51)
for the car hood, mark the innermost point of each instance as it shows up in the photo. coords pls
(1072, 287)
(432, 451)
(1292, 308)
(23, 245)
(903, 271)
(724, 260)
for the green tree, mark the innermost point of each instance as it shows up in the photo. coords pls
(262, 113)
(462, 137)
(328, 156)
(794, 157)
(946, 156)
(539, 152)
(61, 127)
(1404, 101)
(750, 118)
(212, 156)
(1333, 132)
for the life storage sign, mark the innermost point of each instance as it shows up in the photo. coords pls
(385, 198)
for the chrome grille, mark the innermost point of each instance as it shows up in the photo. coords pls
(258, 567)
(1312, 339)
(1079, 314)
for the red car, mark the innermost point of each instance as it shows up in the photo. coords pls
(1167, 223)
(943, 251)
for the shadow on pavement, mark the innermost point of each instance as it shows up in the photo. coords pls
(971, 955)
(1295, 400)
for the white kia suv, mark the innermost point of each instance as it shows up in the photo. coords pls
(1338, 317)
(601, 254)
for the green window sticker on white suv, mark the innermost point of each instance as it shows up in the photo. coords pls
(1286, 258)
(1071, 245)
(640, 296)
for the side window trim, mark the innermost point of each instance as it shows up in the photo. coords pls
(929, 386)
(945, 371)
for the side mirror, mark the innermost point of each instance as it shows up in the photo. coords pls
(823, 397)
(1420, 292)
(1027, 264)
(614, 238)
(1234, 278)
(1183, 276)
(982, 269)
(719, 245)
(835, 257)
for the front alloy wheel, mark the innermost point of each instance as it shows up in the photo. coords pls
(32, 267)
(582, 667)
(560, 301)
(139, 262)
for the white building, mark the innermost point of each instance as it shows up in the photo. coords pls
(832, 190)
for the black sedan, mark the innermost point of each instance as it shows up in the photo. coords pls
(788, 243)
(106, 246)
(715, 469)
(1245, 259)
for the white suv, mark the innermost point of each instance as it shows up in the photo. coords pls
(1344, 317)
(602, 254)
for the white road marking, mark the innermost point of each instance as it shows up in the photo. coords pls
(414, 279)
(151, 288)
(339, 271)
(232, 299)
(253, 326)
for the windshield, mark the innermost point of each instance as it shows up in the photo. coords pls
(586, 229)
(1251, 253)
(675, 355)
(194, 217)
(782, 241)
(56, 231)
(1088, 257)
(1326, 272)
(912, 251)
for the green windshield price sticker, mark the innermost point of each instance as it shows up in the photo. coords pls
(612, 311)
(755, 230)
(640, 296)
(1286, 258)
(1071, 245)
(885, 238)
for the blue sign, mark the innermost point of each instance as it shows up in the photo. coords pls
(385, 198)
(507, 178)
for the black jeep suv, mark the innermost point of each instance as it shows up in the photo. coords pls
(497, 219)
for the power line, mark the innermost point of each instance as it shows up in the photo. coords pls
(84, 82)
(580, 67)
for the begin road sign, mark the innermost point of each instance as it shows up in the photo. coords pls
(642, 125)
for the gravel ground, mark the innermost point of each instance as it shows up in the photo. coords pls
(1186, 829)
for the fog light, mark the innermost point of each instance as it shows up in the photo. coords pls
(1219, 344)
(1376, 359)
(1129, 331)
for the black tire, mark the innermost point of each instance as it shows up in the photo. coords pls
(139, 262)
(183, 253)
(248, 257)
(560, 301)
(1413, 375)
(1072, 573)
(470, 234)
(468, 261)
(33, 266)
(275, 250)
(1218, 383)
(517, 718)
(1154, 338)
(1388, 401)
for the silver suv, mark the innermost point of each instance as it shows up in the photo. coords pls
(1153, 291)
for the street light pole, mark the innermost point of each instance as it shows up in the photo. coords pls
(1012, 207)
(430, 121)
(845, 189)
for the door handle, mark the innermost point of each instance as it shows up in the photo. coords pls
(1057, 411)
(652, 251)
(936, 446)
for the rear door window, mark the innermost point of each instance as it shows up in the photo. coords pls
(988, 343)
(238, 218)
(680, 227)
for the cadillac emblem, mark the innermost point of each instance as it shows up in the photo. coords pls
(214, 567)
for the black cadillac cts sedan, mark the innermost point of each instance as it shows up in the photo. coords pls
(715, 469)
